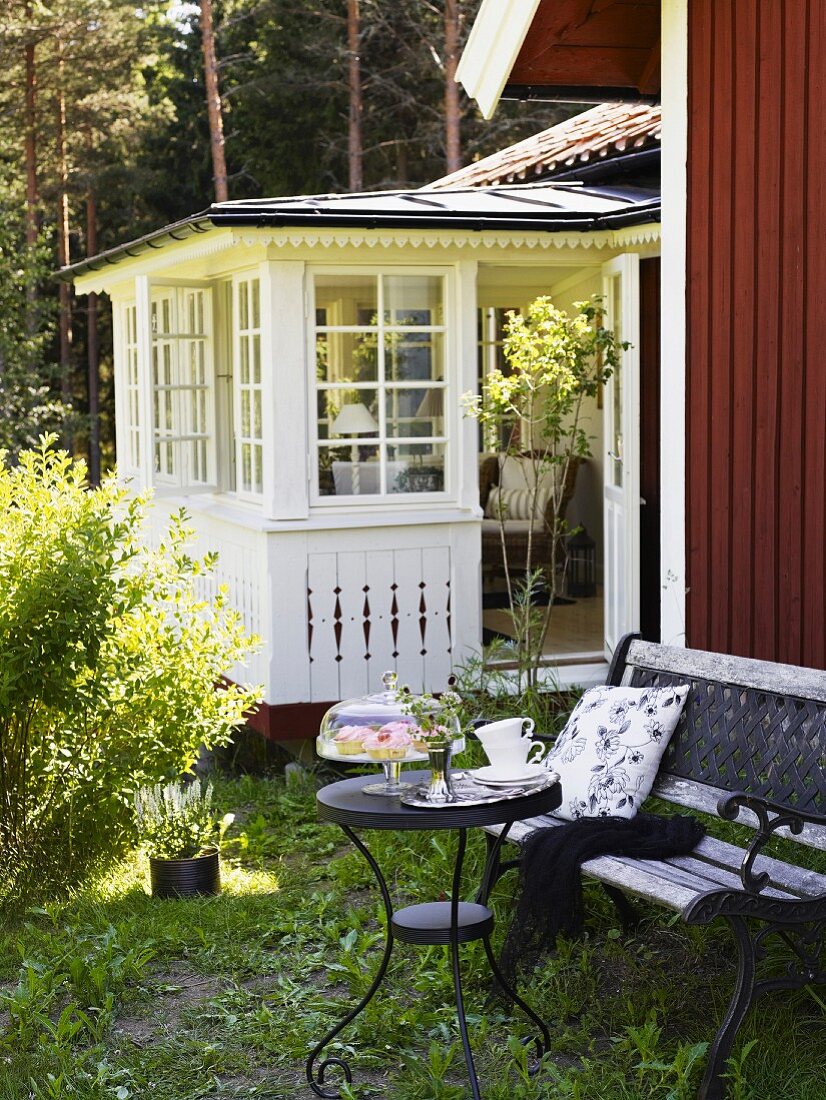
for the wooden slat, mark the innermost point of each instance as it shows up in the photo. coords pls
(756, 448)
(780, 679)
(719, 396)
(699, 253)
(744, 310)
(813, 503)
(696, 796)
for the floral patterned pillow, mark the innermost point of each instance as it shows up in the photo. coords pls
(608, 754)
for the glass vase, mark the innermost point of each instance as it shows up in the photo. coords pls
(440, 789)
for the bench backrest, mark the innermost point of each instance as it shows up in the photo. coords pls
(747, 725)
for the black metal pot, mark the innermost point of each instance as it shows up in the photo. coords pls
(198, 876)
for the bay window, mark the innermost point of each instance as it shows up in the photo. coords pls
(130, 455)
(380, 389)
(248, 394)
(182, 387)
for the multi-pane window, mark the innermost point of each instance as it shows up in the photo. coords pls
(249, 436)
(380, 384)
(131, 457)
(182, 393)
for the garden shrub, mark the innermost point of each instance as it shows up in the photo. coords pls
(109, 666)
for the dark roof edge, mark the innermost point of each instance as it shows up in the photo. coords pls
(576, 93)
(178, 231)
(638, 213)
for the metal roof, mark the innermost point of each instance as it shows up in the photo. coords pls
(526, 208)
(529, 207)
(605, 132)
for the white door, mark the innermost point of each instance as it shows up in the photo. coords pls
(621, 501)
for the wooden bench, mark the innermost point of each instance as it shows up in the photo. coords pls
(750, 746)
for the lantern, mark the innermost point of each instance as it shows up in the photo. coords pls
(582, 564)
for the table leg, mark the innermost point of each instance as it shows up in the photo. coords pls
(454, 958)
(489, 880)
(317, 1073)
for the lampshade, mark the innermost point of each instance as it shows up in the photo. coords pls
(432, 405)
(354, 419)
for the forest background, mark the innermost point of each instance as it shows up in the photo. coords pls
(117, 119)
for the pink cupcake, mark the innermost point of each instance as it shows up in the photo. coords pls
(349, 741)
(391, 742)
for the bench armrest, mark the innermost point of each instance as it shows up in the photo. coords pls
(783, 817)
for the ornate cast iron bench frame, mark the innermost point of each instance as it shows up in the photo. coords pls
(750, 746)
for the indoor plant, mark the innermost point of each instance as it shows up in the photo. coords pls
(181, 833)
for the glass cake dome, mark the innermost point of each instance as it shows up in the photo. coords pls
(388, 727)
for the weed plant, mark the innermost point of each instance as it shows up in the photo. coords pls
(112, 994)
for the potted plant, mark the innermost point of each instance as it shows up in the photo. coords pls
(181, 834)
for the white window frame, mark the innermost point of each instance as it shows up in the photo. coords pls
(183, 447)
(381, 387)
(247, 390)
(130, 454)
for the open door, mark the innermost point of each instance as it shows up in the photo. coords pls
(621, 496)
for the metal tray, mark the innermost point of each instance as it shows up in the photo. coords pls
(470, 793)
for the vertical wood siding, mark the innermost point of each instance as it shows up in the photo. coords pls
(756, 369)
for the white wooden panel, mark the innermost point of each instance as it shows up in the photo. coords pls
(409, 645)
(352, 647)
(379, 569)
(622, 453)
(322, 581)
(437, 642)
(284, 351)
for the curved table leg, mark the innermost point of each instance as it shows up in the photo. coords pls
(454, 958)
(317, 1073)
(543, 1045)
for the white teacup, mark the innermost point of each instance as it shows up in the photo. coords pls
(506, 748)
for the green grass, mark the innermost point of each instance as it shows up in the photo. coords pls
(111, 994)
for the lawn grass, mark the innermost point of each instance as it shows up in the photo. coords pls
(112, 994)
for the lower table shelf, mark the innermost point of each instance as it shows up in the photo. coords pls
(429, 922)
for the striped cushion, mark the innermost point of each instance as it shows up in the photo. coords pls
(516, 504)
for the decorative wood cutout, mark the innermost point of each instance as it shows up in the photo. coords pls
(398, 620)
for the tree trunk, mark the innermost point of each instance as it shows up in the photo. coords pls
(30, 122)
(30, 130)
(354, 147)
(213, 98)
(92, 348)
(453, 146)
(64, 290)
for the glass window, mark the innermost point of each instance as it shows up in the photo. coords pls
(248, 396)
(132, 452)
(182, 397)
(380, 384)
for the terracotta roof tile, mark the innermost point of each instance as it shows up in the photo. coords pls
(605, 131)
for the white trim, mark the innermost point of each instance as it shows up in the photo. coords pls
(621, 503)
(497, 36)
(673, 345)
(431, 239)
(143, 317)
(383, 441)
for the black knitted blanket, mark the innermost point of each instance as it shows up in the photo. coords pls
(550, 896)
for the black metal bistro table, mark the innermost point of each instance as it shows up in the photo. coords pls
(437, 922)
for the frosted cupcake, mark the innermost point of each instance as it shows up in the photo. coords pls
(349, 741)
(391, 742)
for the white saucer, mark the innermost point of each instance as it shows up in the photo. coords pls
(492, 777)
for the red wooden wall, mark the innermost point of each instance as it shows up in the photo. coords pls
(756, 367)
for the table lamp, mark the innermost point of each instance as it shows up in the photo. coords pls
(355, 419)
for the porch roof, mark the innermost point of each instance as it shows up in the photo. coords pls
(519, 208)
(603, 134)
